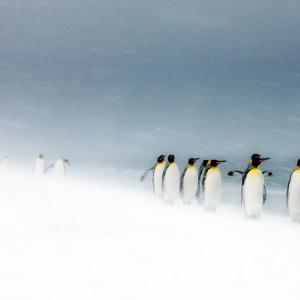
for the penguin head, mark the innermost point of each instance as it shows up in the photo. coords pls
(298, 163)
(171, 158)
(66, 161)
(161, 158)
(205, 162)
(192, 161)
(215, 162)
(256, 160)
(41, 156)
(255, 156)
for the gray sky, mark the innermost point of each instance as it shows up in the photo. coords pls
(117, 81)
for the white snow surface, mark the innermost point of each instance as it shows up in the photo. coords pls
(99, 240)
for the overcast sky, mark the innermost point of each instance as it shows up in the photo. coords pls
(114, 81)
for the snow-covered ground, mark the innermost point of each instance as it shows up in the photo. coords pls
(96, 240)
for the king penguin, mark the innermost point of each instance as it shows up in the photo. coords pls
(189, 182)
(293, 194)
(171, 180)
(60, 170)
(157, 173)
(253, 189)
(212, 185)
(39, 168)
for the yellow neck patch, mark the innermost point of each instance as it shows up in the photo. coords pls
(255, 170)
(161, 163)
(213, 169)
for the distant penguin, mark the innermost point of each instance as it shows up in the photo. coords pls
(157, 173)
(189, 182)
(39, 168)
(212, 185)
(4, 166)
(202, 171)
(171, 180)
(253, 189)
(60, 168)
(293, 194)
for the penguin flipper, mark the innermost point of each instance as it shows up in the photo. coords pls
(204, 178)
(165, 171)
(287, 191)
(248, 169)
(200, 172)
(267, 174)
(146, 173)
(235, 173)
(242, 196)
(49, 167)
(265, 195)
(201, 169)
(181, 180)
(245, 175)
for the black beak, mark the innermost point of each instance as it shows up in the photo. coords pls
(265, 158)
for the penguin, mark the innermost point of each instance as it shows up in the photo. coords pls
(189, 182)
(202, 171)
(171, 180)
(157, 173)
(212, 185)
(253, 191)
(293, 194)
(59, 166)
(39, 168)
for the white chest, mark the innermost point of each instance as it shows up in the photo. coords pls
(171, 182)
(212, 189)
(39, 168)
(294, 195)
(253, 192)
(59, 168)
(190, 184)
(157, 179)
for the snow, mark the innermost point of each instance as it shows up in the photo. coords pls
(100, 240)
